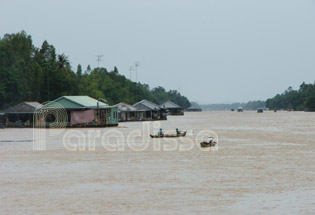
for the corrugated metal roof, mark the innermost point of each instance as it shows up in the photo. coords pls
(34, 104)
(24, 107)
(170, 104)
(85, 101)
(78, 102)
(126, 107)
(148, 104)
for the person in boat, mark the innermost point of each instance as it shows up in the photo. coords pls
(160, 132)
(177, 131)
(210, 140)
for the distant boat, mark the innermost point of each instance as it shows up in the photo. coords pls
(232, 109)
(206, 144)
(260, 110)
(182, 134)
(239, 109)
(193, 109)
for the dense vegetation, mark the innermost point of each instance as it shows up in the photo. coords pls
(251, 105)
(302, 99)
(28, 73)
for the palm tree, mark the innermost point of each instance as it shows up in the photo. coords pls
(63, 61)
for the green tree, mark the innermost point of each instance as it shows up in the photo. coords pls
(301, 99)
(30, 73)
(79, 70)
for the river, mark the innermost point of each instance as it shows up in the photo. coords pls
(264, 163)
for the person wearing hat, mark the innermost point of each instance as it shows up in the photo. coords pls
(210, 140)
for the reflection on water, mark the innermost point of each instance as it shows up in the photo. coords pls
(264, 165)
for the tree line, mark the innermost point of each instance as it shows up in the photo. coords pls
(28, 73)
(301, 99)
(251, 105)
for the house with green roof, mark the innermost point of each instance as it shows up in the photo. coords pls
(81, 111)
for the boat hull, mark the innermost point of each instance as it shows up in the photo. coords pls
(205, 144)
(169, 135)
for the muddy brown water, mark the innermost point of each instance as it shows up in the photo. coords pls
(264, 164)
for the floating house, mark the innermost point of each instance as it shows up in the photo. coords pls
(173, 109)
(194, 107)
(20, 115)
(152, 111)
(239, 109)
(2, 120)
(81, 111)
(128, 112)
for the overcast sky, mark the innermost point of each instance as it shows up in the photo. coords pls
(212, 51)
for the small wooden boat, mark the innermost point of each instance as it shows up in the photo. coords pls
(206, 144)
(181, 134)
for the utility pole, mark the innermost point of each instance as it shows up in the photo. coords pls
(136, 66)
(99, 59)
(47, 69)
(130, 69)
(47, 84)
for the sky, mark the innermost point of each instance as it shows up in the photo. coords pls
(212, 51)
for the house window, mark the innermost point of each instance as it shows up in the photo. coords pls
(115, 115)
